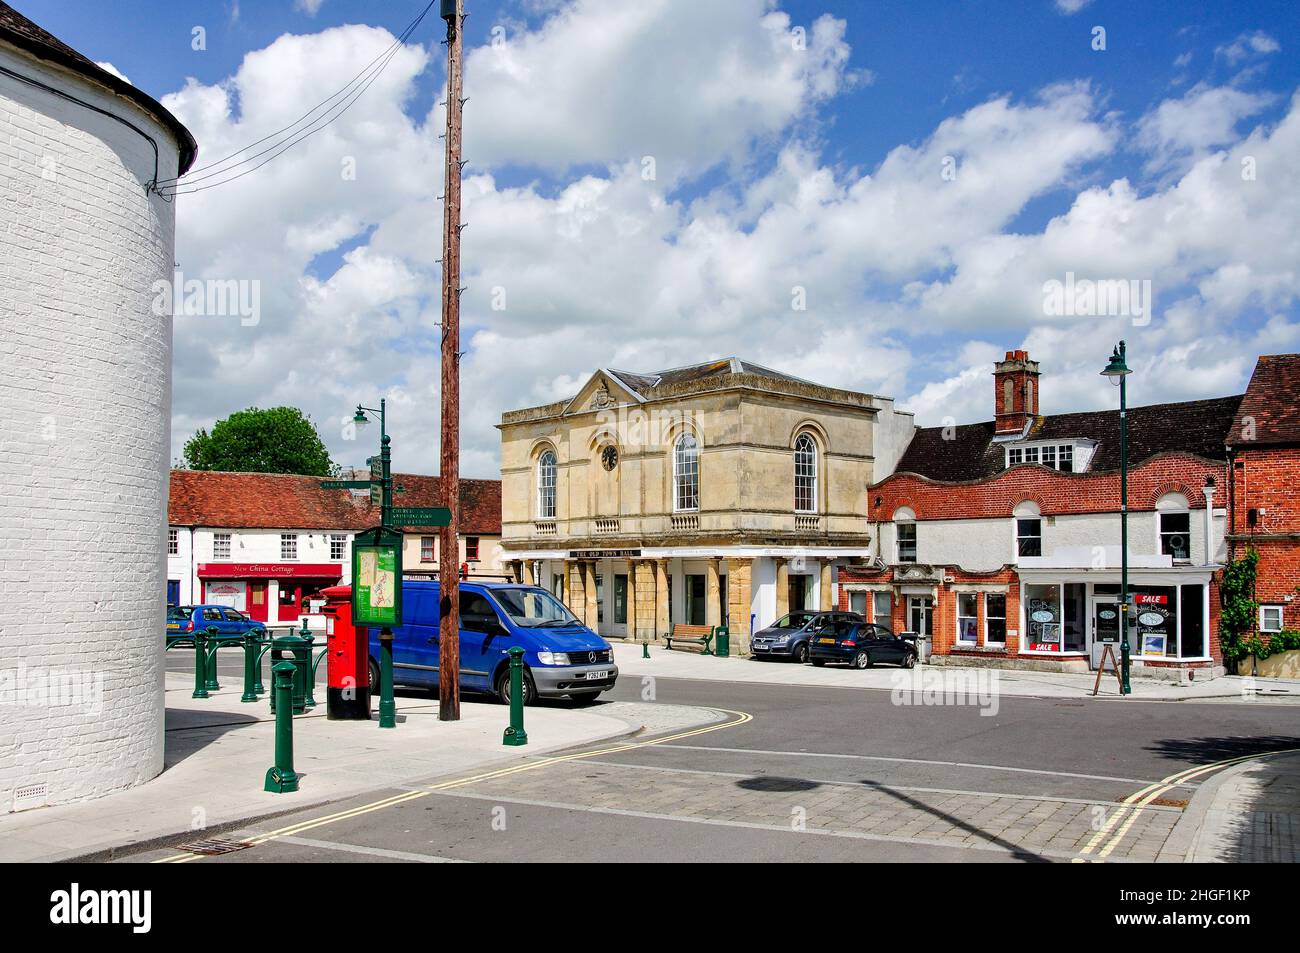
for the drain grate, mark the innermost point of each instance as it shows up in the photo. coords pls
(215, 845)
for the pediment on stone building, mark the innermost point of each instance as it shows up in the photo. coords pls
(602, 392)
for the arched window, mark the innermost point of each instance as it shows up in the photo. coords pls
(805, 474)
(686, 473)
(546, 486)
(1173, 513)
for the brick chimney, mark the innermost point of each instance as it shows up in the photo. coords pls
(1015, 382)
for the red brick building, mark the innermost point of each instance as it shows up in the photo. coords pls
(1000, 540)
(1264, 487)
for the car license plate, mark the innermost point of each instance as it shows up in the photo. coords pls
(591, 676)
(826, 641)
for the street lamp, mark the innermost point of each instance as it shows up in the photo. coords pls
(1118, 371)
(362, 419)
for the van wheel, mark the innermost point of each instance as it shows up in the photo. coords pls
(503, 687)
(801, 652)
(374, 679)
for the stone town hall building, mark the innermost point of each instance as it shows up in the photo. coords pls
(722, 492)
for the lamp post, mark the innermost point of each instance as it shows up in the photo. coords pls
(387, 704)
(1118, 371)
(362, 419)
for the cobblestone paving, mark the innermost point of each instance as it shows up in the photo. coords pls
(1027, 826)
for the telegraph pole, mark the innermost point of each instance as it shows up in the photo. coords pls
(449, 468)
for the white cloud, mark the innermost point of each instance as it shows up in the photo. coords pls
(1070, 7)
(1246, 46)
(110, 68)
(910, 274)
(309, 7)
(1179, 131)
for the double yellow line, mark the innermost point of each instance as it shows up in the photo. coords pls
(297, 828)
(1134, 804)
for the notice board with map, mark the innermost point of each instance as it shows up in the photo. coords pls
(377, 579)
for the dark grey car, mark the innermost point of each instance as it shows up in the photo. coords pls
(788, 637)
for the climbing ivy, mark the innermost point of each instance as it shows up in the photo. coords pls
(1238, 607)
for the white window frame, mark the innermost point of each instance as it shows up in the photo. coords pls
(1281, 617)
(805, 473)
(173, 542)
(1016, 537)
(1039, 453)
(898, 543)
(875, 615)
(686, 474)
(428, 553)
(222, 541)
(959, 617)
(547, 480)
(1161, 534)
(341, 542)
(288, 547)
(988, 615)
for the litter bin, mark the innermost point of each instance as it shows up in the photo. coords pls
(721, 641)
(295, 649)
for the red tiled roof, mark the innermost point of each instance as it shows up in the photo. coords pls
(1270, 411)
(288, 501)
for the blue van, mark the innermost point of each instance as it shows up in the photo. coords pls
(561, 655)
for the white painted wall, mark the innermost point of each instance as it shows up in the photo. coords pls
(84, 438)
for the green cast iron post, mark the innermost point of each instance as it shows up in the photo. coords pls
(310, 674)
(645, 649)
(250, 668)
(263, 646)
(200, 666)
(387, 707)
(281, 778)
(515, 734)
(212, 683)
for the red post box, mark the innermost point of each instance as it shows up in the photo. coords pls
(348, 660)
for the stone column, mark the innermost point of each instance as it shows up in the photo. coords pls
(824, 588)
(712, 595)
(631, 600)
(593, 614)
(782, 587)
(647, 619)
(530, 577)
(739, 598)
(576, 597)
(663, 624)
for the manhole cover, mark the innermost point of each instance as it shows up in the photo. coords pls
(215, 845)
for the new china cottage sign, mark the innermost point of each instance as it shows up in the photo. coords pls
(269, 570)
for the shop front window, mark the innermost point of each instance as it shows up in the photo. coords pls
(1043, 618)
(1157, 622)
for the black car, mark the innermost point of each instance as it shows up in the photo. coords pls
(861, 645)
(789, 636)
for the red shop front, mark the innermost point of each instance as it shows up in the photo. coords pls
(253, 587)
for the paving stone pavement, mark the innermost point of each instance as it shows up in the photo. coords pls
(1054, 828)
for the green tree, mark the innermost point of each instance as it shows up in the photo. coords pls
(274, 440)
(1238, 607)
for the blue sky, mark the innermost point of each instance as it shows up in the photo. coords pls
(775, 172)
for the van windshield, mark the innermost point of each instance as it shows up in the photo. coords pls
(533, 608)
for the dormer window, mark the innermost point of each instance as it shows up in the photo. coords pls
(1054, 456)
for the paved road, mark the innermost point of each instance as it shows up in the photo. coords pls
(801, 773)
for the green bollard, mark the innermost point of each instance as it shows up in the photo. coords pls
(310, 674)
(387, 706)
(200, 666)
(263, 646)
(281, 778)
(250, 668)
(515, 734)
(645, 649)
(212, 685)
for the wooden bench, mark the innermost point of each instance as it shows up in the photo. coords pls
(700, 635)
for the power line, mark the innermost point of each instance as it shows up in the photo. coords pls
(369, 74)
